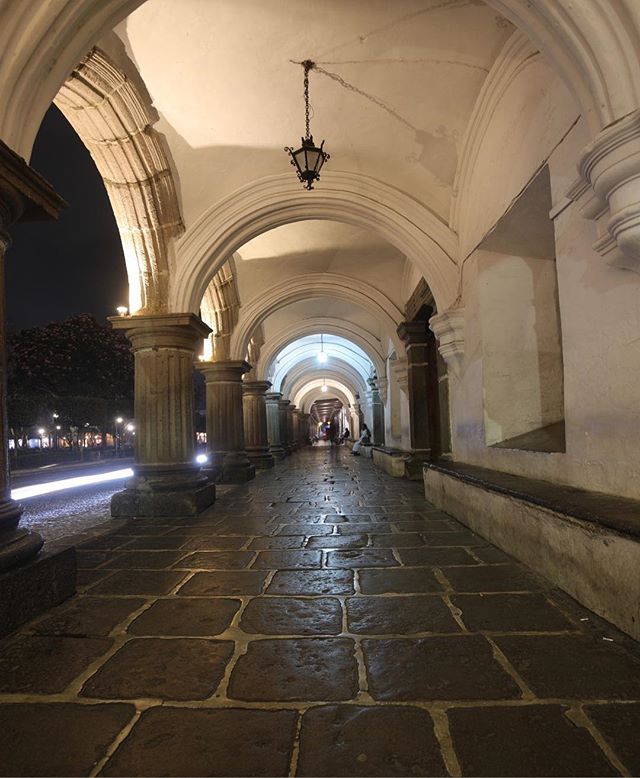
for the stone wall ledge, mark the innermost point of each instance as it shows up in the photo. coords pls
(391, 460)
(586, 543)
(619, 514)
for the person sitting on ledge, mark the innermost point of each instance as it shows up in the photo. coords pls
(363, 440)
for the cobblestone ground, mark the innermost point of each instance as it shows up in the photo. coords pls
(323, 620)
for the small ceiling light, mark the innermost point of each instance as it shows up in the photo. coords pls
(309, 158)
(324, 385)
(322, 357)
(122, 310)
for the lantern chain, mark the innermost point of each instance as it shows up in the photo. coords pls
(308, 65)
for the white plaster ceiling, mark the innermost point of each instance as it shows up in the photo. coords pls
(220, 76)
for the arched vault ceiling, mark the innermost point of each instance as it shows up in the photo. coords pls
(220, 75)
(320, 246)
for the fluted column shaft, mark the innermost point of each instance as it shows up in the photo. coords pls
(283, 412)
(167, 481)
(255, 423)
(296, 426)
(273, 424)
(305, 433)
(291, 434)
(225, 419)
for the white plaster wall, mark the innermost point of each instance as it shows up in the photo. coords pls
(521, 349)
(599, 308)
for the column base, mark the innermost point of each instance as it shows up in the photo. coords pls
(263, 460)
(154, 492)
(238, 473)
(33, 588)
(277, 452)
(414, 464)
(17, 547)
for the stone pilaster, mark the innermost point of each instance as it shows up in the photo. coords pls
(225, 419)
(422, 403)
(305, 432)
(28, 584)
(296, 426)
(377, 414)
(291, 432)
(166, 481)
(273, 425)
(283, 413)
(255, 423)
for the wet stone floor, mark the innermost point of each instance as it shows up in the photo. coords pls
(323, 620)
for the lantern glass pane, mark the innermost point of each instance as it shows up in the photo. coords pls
(300, 159)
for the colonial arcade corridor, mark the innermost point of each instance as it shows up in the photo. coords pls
(321, 620)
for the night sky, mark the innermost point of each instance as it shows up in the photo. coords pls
(57, 269)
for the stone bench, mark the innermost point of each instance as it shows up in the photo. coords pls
(586, 543)
(391, 460)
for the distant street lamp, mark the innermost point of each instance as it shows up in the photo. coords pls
(41, 432)
(122, 310)
(118, 420)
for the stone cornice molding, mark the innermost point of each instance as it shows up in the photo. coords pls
(448, 327)
(308, 286)
(329, 326)
(344, 197)
(608, 191)
(516, 54)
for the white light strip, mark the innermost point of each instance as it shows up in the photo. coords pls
(24, 492)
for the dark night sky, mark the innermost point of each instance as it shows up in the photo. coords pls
(74, 265)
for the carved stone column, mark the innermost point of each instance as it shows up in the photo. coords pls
(296, 426)
(283, 406)
(305, 432)
(422, 392)
(276, 448)
(225, 419)
(255, 424)
(291, 433)
(25, 589)
(377, 414)
(166, 481)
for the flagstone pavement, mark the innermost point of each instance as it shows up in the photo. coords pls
(322, 620)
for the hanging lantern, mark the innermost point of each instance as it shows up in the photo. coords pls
(309, 158)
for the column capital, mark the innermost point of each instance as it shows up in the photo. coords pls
(24, 194)
(168, 330)
(296, 410)
(284, 404)
(413, 333)
(258, 388)
(608, 191)
(273, 397)
(229, 371)
(448, 327)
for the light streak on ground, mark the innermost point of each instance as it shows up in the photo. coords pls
(24, 492)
